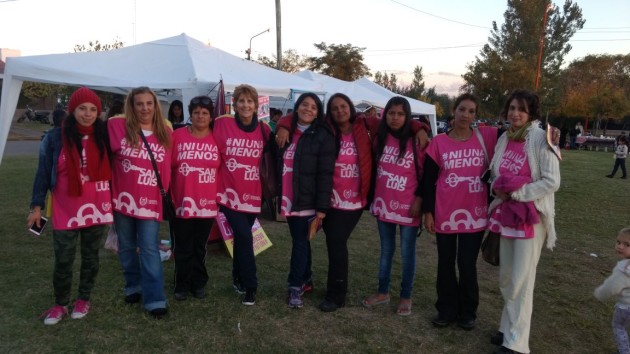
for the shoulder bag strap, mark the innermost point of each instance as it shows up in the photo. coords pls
(155, 168)
(483, 145)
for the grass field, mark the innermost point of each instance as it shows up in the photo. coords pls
(567, 318)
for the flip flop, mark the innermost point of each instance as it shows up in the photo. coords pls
(374, 300)
(404, 308)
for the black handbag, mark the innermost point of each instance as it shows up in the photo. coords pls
(490, 248)
(168, 208)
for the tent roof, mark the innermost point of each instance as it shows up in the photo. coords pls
(417, 106)
(356, 93)
(179, 62)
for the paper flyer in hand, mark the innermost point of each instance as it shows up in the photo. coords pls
(314, 225)
(261, 241)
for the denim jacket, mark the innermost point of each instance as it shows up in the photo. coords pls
(46, 176)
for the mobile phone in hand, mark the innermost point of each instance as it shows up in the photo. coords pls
(38, 230)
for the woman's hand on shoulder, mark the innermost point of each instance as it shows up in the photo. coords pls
(422, 138)
(282, 136)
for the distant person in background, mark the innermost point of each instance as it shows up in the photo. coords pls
(573, 134)
(176, 114)
(580, 128)
(501, 127)
(74, 166)
(116, 108)
(274, 116)
(623, 134)
(370, 113)
(621, 152)
(58, 116)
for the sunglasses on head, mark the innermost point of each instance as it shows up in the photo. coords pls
(203, 100)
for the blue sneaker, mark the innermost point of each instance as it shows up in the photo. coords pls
(295, 298)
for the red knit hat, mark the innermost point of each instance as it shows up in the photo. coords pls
(83, 95)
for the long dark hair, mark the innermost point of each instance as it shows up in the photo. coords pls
(320, 110)
(329, 118)
(171, 115)
(403, 134)
(73, 137)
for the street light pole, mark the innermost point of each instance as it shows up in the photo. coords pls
(249, 50)
(548, 8)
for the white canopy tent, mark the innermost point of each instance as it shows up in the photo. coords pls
(181, 65)
(417, 106)
(356, 93)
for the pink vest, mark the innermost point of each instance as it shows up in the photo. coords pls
(514, 162)
(93, 207)
(135, 189)
(239, 180)
(195, 164)
(396, 183)
(346, 179)
(461, 199)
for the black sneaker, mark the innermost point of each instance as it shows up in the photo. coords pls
(497, 339)
(199, 293)
(504, 350)
(329, 306)
(158, 313)
(133, 298)
(181, 296)
(609, 176)
(238, 288)
(440, 322)
(250, 297)
(467, 325)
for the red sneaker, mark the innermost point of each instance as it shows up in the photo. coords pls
(81, 309)
(54, 314)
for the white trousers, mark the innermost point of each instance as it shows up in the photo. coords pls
(517, 275)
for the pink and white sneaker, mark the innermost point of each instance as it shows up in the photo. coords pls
(54, 314)
(81, 309)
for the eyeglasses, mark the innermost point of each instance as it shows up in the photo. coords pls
(201, 100)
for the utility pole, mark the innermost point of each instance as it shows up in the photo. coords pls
(278, 36)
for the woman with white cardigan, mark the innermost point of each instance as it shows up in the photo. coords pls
(526, 174)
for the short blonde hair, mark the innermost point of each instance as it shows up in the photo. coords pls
(245, 90)
(625, 231)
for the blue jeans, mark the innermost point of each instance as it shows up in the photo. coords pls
(387, 232)
(142, 270)
(300, 271)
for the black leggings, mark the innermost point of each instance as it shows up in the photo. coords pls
(338, 225)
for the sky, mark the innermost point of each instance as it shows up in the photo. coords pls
(441, 36)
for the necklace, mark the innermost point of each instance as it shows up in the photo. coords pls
(455, 136)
